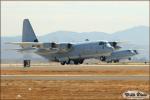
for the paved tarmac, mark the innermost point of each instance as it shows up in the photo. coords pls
(74, 67)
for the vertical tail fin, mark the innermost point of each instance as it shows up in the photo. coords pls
(28, 34)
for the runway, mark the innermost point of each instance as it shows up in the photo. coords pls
(75, 77)
(54, 81)
(73, 67)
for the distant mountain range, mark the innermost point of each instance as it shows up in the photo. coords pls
(137, 38)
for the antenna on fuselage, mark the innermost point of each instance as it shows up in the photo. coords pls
(87, 40)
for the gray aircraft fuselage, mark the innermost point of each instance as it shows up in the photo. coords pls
(123, 54)
(62, 52)
(80, 51)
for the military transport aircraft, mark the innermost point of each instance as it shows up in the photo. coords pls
(116, 56)
(65, 53)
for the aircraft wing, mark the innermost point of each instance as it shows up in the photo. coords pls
(43, 47)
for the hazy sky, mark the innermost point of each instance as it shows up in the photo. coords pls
(78, 16)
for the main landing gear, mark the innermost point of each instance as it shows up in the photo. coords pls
(129, 58)
(116, 61)
(76, 62)
(102, 58)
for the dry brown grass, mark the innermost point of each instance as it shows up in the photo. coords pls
(68, 90)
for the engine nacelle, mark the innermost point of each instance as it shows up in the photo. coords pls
(50, 45)
(64, 47)
(53, 45)
(115, 45)
(69, 46)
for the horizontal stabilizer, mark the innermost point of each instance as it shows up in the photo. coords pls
(22, 50)
(26, 44)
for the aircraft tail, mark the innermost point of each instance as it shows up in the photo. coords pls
(28, 34)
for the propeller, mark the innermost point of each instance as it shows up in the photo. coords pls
(136, 52)
(115, 44)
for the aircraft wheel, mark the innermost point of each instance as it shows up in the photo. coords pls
(115, 61)
(71, 62)
(102, 58)
(81, 61)
(129, 58)
(76, 62)
(68, 62)
(108, 61)
(63, 63)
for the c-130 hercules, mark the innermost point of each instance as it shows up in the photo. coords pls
(65, 53)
